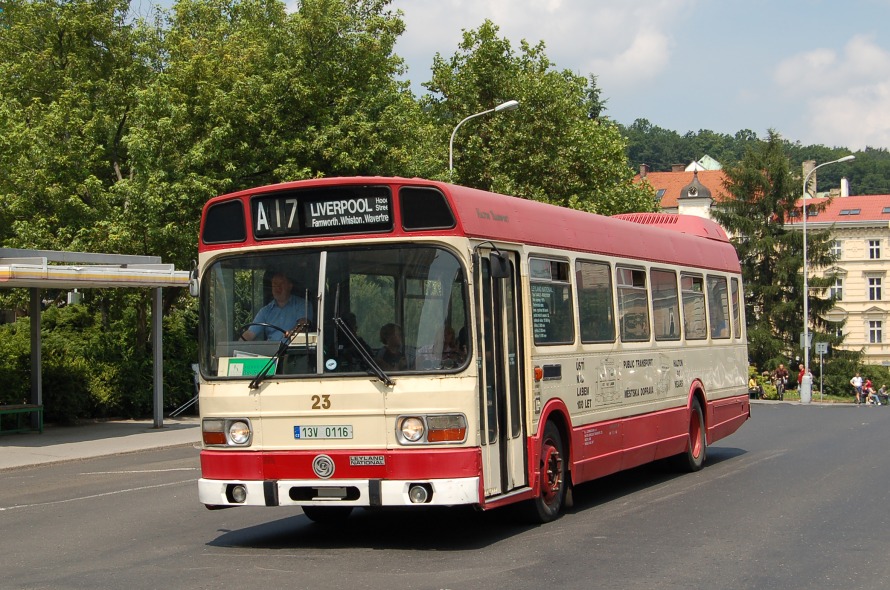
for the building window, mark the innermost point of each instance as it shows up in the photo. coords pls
(874, 288)
(874, 249)
(875, 335)
(836, 249)
(837, 290)
(838, 330)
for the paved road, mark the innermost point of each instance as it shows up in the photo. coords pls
(793, 500)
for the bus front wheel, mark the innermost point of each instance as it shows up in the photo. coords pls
(551, 477)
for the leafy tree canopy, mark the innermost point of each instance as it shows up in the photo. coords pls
(763, 192)
(554, 148)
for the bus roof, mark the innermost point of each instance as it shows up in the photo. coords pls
(669, 238)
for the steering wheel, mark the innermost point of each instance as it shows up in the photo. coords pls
(243, 328)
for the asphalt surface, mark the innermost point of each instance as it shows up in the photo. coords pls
(98, 439)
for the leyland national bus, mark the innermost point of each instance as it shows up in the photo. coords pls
(455, 346)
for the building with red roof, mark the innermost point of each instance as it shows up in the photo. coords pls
(860, 227)
(690, 191)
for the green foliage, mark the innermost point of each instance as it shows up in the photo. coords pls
(552, 149)
(661, 148)
(114, 132)
(92, 367)
(763, 192)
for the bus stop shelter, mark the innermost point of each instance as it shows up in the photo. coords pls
(49, 269)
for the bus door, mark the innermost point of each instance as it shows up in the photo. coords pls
(501, 375)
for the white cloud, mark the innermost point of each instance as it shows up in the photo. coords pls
(623, 44)
(844, 96)
(856, 118)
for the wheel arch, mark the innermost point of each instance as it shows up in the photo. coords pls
(697, 391)
(555, 411)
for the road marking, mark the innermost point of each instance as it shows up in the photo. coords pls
(139, 471)
(93, 496)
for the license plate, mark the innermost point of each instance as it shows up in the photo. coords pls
(316, 432)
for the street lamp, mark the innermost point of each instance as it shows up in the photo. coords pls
(806, 384)
(505, 106)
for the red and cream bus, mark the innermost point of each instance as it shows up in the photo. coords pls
(460, 347)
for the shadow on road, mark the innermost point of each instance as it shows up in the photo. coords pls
(442, 529)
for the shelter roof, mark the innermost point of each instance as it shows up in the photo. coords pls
(82, 270)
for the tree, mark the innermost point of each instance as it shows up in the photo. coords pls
(554, 148)
(249, 94)
(70, 72)
(763, 199)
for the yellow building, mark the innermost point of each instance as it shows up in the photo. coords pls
(860, 228)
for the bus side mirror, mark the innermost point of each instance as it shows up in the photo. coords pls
(194, 287)
(500, 266)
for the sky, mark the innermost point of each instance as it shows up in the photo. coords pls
(815, 71)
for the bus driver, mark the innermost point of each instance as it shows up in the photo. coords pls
(285, 311)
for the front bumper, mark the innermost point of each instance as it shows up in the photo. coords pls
(340, 492)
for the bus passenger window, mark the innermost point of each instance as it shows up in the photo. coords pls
(694, 323)
(633, 304)
(718, 307)
(595, 307)
(665, 305)
(736, 310)
(552, 309)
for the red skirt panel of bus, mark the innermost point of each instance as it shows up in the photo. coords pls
(726, 416)
(413, 464)
(608, 447)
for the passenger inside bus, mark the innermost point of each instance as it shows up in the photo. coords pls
(286, 311)
(392, 356)
(348, 353)
(444, 353)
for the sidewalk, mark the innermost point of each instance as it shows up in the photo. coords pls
(70, 443)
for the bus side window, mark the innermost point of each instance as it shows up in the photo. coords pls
(694, 322)
(596, 312)
(736, 310)
(665, 304)
(633, 304)
(552, 307)
(718, 307)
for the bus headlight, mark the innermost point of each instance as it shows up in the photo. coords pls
(239, 432)
(411, 428)
(432, 429)
(221, 432)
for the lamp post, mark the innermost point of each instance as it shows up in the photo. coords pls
(806, 384)
(504, 106)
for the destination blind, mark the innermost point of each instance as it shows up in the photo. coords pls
(324, 211)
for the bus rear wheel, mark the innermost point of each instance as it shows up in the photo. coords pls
(551, 477)
(693, 459)
(327, 514)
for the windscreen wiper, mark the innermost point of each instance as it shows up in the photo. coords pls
(279, 354)
(369, 360)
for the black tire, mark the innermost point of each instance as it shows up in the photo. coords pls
(327, 514)
(693, 458)
(552, 475)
